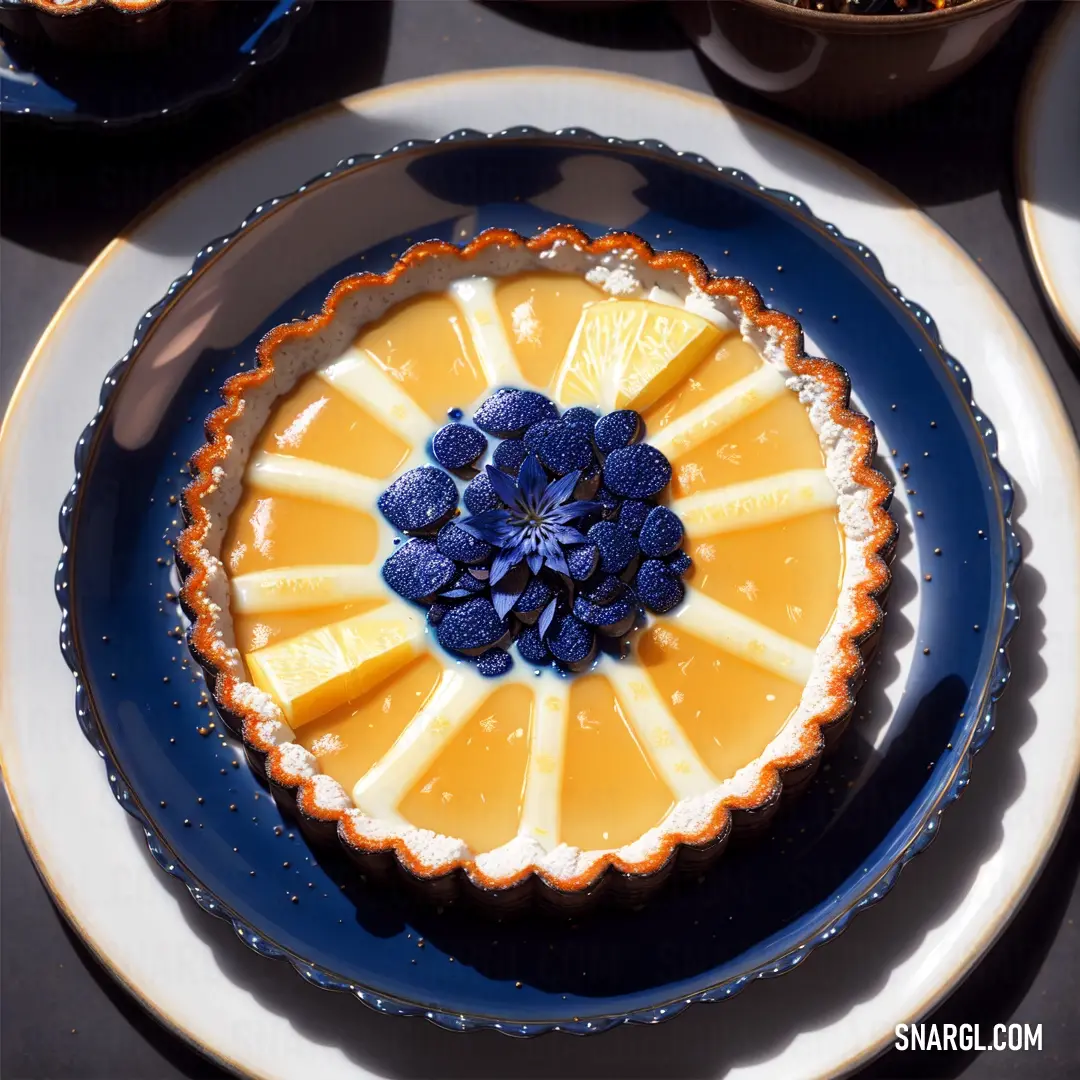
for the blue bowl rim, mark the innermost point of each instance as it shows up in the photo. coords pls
(922, 829)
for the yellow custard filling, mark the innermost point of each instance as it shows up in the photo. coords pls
(593, 760)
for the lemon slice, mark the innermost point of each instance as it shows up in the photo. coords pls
(631, 353)
(312, 673)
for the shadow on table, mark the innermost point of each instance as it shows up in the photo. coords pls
(711, 1040)
(610, 25)
(63, 188)
(179, 1054)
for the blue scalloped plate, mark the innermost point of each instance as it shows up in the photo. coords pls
(155, 76)
(765, 905)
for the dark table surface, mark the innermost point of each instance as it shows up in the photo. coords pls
(65, 194)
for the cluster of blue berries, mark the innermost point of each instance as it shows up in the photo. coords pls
(564, 544)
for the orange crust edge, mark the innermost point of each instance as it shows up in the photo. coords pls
(76, 7)
(847, 671)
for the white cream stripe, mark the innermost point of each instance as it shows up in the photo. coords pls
(659, 732)
(540, 817)
(744, 637)
(298, 588)
(475, 298)
(363, 381)
(458, 695)
(282, 474)
(756, 502)
(724, 408)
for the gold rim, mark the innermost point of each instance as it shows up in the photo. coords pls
(1043, 385)
(1046, 56)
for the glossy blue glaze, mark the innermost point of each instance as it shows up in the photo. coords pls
(65, 86)
(764, 905)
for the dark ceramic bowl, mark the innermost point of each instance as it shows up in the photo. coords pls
(110, 26)
(106, 64)
(843, 66)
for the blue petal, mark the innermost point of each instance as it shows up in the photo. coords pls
(532, 480)
(567, 534)
(548, 545)
(557, 562)
(544, 622)
(504, 562)
(558, 491)
(535, 561)
(569, 511)
(489, 526)
(504, 485)
(505, 598)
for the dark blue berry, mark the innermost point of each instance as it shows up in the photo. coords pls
(562, 448)
(661, 534)
(589, 482)
(510, 455)
(463, 585)
(419, 500)
(454, 414)
(457, 445)
(632, 514)
(613, 617)
(571, 642)
(608, 500)
(616, 430)
(617, 546)
(509, 412)
(417, 570)
(471, 627)
(455, 543)
(581, 417)
(582, 560)
(606, 590)
(533, 600)
(531, 646)
(534, 435)
(659, 589)
(679, 563)
(494, 662)
(480, 495)
(637, 472)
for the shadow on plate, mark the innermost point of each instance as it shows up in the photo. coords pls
(67, 191)
(764, 1019)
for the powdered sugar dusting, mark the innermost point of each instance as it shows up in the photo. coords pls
(249, 696)
(329, 794)
(327, 744)
(525, 324)
(618, 282)
(297, 761)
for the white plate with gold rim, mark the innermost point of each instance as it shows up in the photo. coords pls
(1047, 166)
(790, 1010)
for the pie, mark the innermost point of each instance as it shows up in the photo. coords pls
(535, 558)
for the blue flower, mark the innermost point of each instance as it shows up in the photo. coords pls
(533, 529)
(511, 570)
